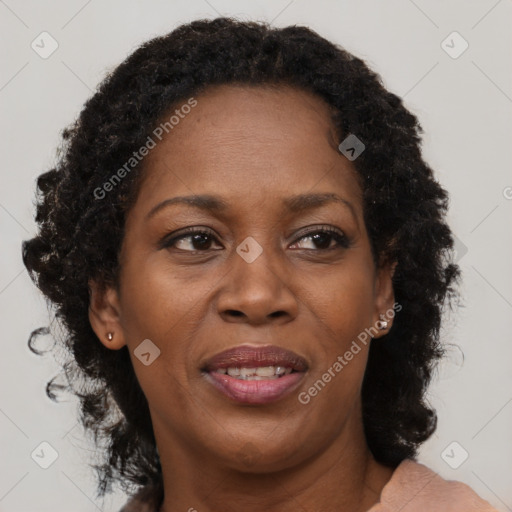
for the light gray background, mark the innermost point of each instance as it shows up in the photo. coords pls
(464, 105)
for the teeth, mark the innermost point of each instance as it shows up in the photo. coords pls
(265, 371)
(260, 373)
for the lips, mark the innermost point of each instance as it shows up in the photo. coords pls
(246, 356)
(219, 371)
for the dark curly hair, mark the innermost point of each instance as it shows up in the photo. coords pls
(80, 236)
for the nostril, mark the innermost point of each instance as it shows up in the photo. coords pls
(234, 312)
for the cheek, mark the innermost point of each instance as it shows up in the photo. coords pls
(168, 310)
(159, 308)
(342, 307)
(344, 301)
(157, 303)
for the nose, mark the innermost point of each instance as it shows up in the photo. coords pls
(257, 293)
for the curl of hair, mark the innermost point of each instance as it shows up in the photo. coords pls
(79, 236)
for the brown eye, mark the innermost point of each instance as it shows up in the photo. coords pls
(191, 241)
(322, 239)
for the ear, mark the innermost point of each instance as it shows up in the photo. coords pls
(105, 315)
(384, 297)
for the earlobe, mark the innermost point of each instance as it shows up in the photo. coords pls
(105, 315)
(385, 299)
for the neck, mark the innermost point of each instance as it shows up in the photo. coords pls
(344, 476)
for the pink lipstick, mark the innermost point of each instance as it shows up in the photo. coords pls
(255, 375)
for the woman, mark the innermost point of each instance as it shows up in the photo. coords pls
(250, 258)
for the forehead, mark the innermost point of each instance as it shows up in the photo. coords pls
(250, 141)
(258, 114)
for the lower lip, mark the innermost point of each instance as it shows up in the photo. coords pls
(255, 391)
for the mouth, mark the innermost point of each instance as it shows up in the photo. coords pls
(255, 375)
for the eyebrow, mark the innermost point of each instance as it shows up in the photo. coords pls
(214, 204)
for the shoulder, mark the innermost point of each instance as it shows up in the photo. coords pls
(414, 487)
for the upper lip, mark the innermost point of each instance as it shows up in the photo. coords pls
(247, 356)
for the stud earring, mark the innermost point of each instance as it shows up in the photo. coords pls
(110, 336)
(382, 324)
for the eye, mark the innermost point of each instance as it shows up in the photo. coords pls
(201, 239)
(322, 238)
(193, 240)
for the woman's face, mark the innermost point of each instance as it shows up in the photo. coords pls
(260, 275)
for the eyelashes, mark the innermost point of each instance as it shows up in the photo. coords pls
(202, 238)
(327, 232)
(199, 235)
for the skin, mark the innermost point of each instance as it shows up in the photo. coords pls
(253, 146)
